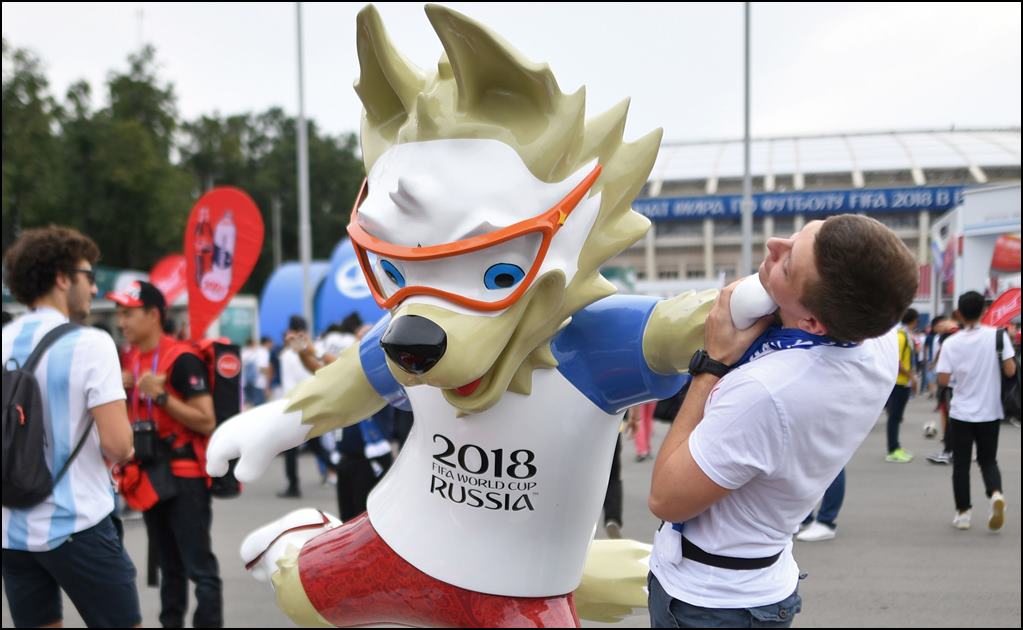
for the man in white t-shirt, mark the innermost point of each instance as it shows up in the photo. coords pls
(293, 372)
(69, 541)
(755, 446)
(256, 371)
(970, 359)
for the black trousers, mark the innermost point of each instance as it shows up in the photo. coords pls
(964, 434)
(291, 461)
(356, 477)
(291, 468)
(896, 407)
(613, 497)
(181, 528)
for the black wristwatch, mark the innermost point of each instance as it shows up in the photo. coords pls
(702, 363)
(160, 400)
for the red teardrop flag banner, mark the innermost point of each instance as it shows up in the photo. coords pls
(223, 241)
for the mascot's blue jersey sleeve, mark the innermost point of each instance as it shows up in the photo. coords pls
(601, 353)
(374, 364)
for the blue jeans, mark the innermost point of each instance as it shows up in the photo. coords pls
(254, 395)
(667, 612)
(831, 503)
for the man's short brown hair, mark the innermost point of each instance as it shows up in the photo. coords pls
(31, 265)
(868, 278)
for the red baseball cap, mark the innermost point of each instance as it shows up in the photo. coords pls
(139, 294)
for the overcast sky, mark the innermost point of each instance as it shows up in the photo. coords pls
(816, 68)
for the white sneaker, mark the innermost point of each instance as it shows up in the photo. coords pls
(997, 518)
(816, 532)
(962, 520)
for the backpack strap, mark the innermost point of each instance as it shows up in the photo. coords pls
(74, 453)
(30, 366)
(44, 344)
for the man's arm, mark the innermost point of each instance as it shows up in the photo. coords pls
(196, 413)
(680, 489)
(942, 366)
(188, 375)
(104, 397)
(1008, 356)
(115, 435)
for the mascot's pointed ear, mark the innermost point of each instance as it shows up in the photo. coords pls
(485, 66)
(497, 84)
(388, 83)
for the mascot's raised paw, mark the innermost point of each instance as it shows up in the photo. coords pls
(256, 437)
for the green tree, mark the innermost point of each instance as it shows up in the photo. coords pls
(121, 187)
(128, 172)
(31, 193)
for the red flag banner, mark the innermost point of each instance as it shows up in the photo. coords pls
(1006, 255)
(1003, 310)
(223, 241)
(170, 276)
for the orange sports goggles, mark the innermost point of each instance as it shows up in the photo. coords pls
(499, 277)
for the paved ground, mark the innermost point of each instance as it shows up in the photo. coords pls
(896, 562)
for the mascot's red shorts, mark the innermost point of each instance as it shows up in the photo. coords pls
(353, 578)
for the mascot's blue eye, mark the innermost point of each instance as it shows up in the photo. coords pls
(503, 276)
(392, 273)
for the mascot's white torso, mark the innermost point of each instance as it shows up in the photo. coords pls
(505, 501)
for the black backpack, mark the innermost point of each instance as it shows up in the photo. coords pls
(27, 480)
(1010, 384)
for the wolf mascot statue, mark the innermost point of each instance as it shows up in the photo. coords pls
(489, 206)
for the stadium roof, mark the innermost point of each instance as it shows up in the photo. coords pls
(914, 151)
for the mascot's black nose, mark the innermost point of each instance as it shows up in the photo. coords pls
(415, 343)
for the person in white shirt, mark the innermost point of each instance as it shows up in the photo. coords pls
(969, 359)
(754, 447)
(293, 372)
(256, 371)
(69, 541)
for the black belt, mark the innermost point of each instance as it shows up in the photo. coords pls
(691, 552)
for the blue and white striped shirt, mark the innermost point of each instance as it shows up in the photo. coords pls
(81, 371)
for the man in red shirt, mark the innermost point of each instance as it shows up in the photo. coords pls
(172, 411)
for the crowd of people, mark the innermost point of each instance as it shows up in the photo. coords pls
(768, 421)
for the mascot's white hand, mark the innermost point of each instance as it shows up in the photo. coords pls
(256, 437)
(262, 548)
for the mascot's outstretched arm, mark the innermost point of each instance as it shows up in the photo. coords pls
(675, 331)
(338, 396)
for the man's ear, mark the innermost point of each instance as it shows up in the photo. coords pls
(813, 326)
(63, 281)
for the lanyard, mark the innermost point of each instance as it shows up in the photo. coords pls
(135, 390)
